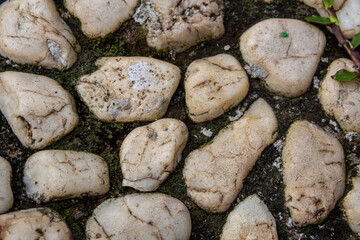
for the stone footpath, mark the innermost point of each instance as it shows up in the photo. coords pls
(280, 56)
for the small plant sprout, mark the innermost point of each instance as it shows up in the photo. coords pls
(350, 46)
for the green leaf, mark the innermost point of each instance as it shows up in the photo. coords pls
(328, 3)
(355, 42)
(320, 20)
(346, 76)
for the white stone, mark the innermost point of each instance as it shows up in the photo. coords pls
(6, 195)
(127, 89)
(37, 108)
(35, 223)
(250, 219)
(341, 100)
(149, 154)
(352, 207)
(179, 24)
(98, 17)
(32, 32)
(142, 217)
(214, 174)
(290, 61)
(213, 85)
(65, 174)
(347, 11)
(314, 172)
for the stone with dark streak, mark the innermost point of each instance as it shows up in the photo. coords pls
(37, 108)
(314, 172)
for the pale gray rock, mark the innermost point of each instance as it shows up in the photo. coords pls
(149, 154)
(65, 174)
(341, 100)
(32, 32)
(214, 174)
(6, 194)
(37, 108)
(213, 85)
(347, 11)
(140, 216)
(250, 219)
(287, 50)
(127, 89)
(314, 172)
(179, 24)
(35, 223)
(352, 206)
(98, 17)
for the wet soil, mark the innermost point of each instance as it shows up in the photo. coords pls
(104, 139)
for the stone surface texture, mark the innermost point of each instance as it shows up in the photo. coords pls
(213, 85)
(99, 18)
(127, 89)
(341, 100)
(347, 12)
(179, 24)
(65, 174)
(214, 174)
(352, 206)
(250, 219)
(37, 108)
(149, 154)
(140, 216)
(314, 172)
(32, 32)
(34, 223)
(6, 194)
(290, 60)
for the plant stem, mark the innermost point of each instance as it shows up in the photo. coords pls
(354, 54)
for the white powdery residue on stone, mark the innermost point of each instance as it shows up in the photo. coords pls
(279, 145)
(207, 132)
(335, 125)
(350, 135)
(57, 52)
(316, 82)
(142, 75)
(278, 164)
(147, 15)
(237, 116)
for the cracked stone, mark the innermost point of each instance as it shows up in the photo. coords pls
(149, 154)
(6, 194)
(65, 174)
(34, 223)
(99, 18)
(214, 174)
(127, 89)
(352, 207)
(250, 219)
(290, 62)
(37, 108)
(214, 85)
(341, 100)
(179, 24)
(347, 11)
(32, 32)
(140, 216)
(314, 172)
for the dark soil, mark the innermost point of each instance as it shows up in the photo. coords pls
(104, 139)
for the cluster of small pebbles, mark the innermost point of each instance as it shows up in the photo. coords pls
(284, 53)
